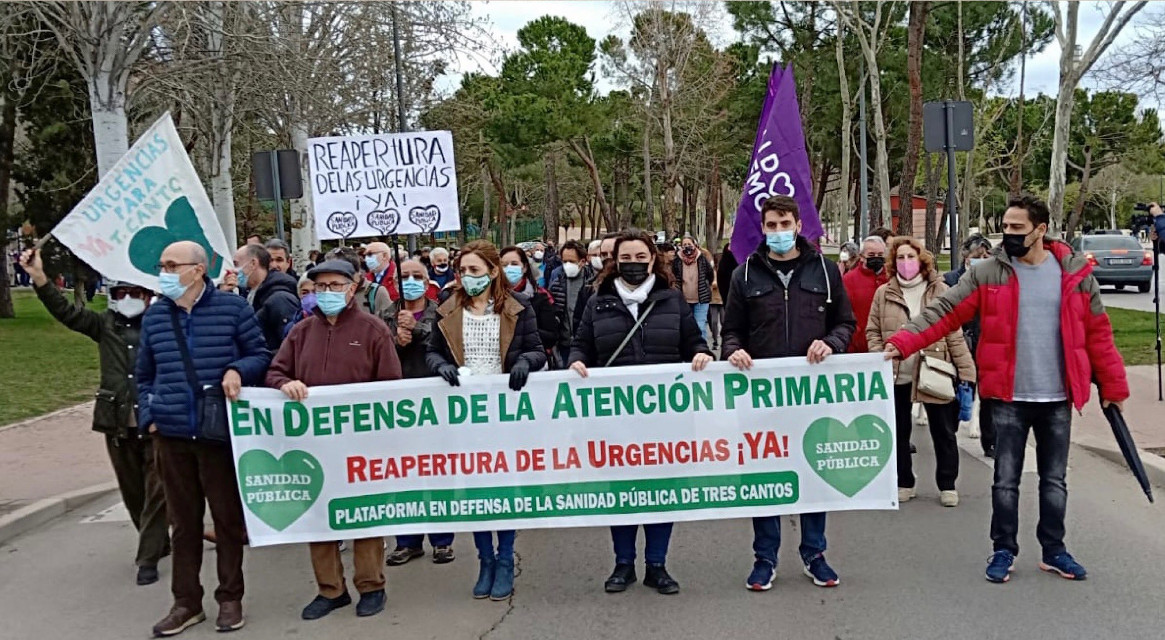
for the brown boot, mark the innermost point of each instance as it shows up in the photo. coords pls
(230, 617)
(178, 620)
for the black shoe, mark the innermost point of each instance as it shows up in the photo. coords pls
(622, 577)
(658, 578)
(322, 606)
(371, 603)
(147, 575)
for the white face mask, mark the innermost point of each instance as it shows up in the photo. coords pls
(844, 256)
(596, 263)
(571, 269)
(129, 307)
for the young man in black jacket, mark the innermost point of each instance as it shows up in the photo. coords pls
(786, 300)
(273, 295)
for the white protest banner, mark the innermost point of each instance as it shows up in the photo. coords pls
(655, 443)
(152, 197)
(379, 185)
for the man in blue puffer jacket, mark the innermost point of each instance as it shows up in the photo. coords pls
(226, 348)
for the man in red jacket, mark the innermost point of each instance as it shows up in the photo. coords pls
(861, 284)
(338, 344)
(1045, 337)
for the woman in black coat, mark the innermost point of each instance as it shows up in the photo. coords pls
(635, 285)
(520, 276)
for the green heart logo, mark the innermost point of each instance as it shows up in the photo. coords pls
(279, 491)
(146, 246)
(848, 457)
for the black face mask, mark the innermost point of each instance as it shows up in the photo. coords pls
(634, 273)
(1013, 245)
(875, 264)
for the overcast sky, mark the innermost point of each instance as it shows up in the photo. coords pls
(505, 17)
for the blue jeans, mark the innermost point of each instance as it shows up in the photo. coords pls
(484, 541)
(657, 536)
(435, 539)
(1052, 423)
(766, 537)
(700, 310)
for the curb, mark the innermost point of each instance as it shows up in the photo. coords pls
(46, 416)
(1154, 465)
(38, 513)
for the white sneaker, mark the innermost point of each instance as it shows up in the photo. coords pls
(905, 495)
(946, 498)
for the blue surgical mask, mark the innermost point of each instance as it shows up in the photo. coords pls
(242, 279)
(331, 303)
(413, 288)
(975, 261)
(514, 273)
(308, 302)
(371, 262)
(171, 285)
(781, 242)
(475, 285)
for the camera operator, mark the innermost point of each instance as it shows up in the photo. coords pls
(1158, 231)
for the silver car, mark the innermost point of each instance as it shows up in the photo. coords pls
(1117, 260)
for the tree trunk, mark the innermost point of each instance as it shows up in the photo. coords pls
(7, 153)
(1060, 130)
(823, 176)
(915, 34)
(846, 131)
(670, 172)
(485, 183)
(1015, 179)
(550, 213)
(110, 128)
(621, 203)
(587, 157)
(1078, 210)
(221, 123)
(648, 197)
(932, 177)
(712, 207)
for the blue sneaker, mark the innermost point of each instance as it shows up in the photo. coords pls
(999, 566)
(822, 574)
(1065, 565)
(761, 578)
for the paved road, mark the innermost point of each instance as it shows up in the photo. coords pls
(911, 574)
(1129, 298)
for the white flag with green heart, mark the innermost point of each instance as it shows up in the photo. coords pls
(151, 198)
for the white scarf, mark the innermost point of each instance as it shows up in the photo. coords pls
(633, 297)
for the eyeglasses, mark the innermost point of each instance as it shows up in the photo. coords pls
(172, 267)
(334, 287)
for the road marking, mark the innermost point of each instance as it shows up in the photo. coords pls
(116, 513)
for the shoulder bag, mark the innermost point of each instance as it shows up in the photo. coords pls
(210, 407)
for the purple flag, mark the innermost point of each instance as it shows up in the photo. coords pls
(779, 166)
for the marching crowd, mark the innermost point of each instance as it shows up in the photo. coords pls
(1020, 324)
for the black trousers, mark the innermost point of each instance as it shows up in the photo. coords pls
(141, 491)
(944, 423)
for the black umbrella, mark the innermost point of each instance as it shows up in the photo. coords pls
(1120, 430)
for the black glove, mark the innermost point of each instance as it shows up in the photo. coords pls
(449, 373)
(518, 375)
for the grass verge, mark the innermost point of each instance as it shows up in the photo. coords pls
(48, 367)
(1136, 335)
